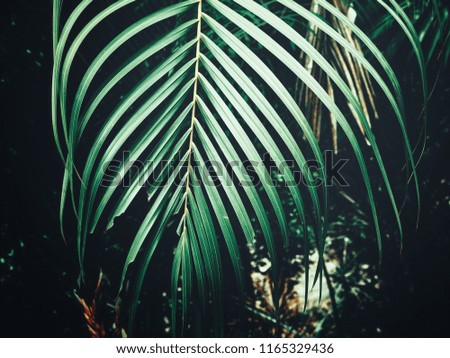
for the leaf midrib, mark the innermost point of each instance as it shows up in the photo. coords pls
(194, 108)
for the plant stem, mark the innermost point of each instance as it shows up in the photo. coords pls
(194, 108)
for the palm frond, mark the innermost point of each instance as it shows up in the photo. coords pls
(212, 94)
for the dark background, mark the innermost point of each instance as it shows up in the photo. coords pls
(38, 271)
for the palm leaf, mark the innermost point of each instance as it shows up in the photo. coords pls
(209, 97)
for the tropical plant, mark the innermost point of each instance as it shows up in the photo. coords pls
(190, 87)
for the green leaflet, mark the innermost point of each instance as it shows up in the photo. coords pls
(200, 215)
(72, 52)
(59, 48)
